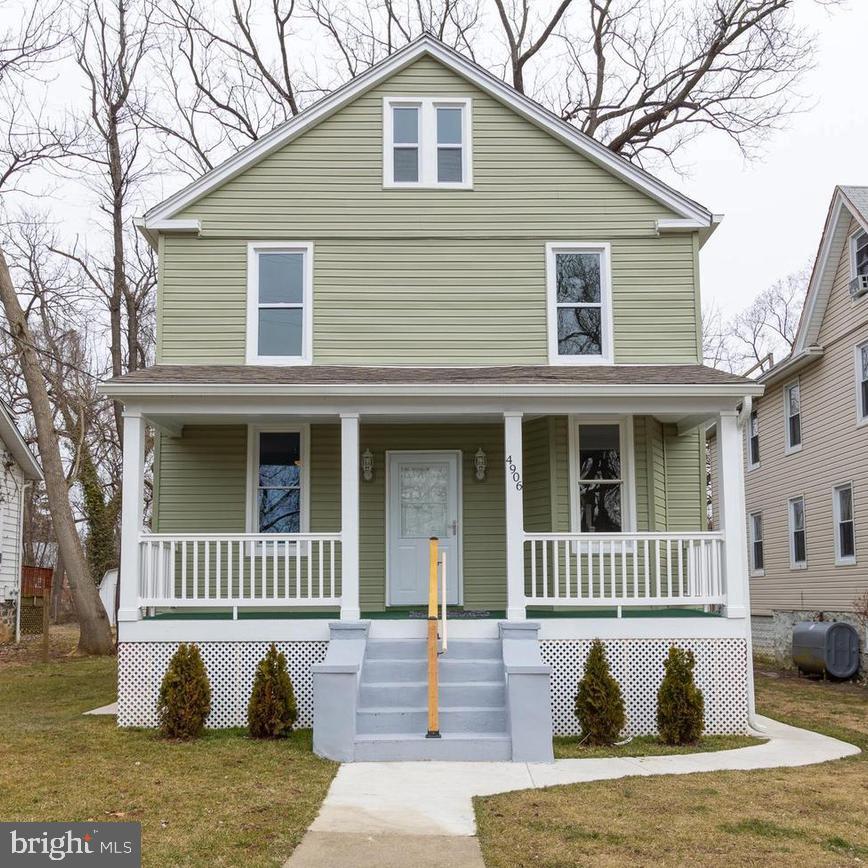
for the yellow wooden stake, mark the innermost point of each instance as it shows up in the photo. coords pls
(433, 711)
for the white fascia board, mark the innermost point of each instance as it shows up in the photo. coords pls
(790, 366)
(151, 229)
(426, 44)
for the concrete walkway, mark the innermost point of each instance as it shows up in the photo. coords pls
(420, 814)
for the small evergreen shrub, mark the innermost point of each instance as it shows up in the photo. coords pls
(185, 695)
(680, 704)
(599, 703)
(272, 710)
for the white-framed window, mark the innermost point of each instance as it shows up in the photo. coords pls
(579, 292)
(753, 447)
(798, 534)
(793, 416)
(279, 302)
(845, 528)
(602, 486)
(757, 554)
(862, 384)
(859, 254)
(427, 142)
(277, 479)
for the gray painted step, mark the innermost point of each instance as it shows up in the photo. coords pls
(470, 670)
(473, 649)
(409, 720)
(394, 670)
(410, 649)
(479, 693)
(475, 746)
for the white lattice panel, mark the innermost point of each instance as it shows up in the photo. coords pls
(230, 667)
(637, 664)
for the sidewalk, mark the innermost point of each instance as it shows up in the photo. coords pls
(420, 814)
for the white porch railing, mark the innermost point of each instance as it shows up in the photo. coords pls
(624, 569)
(247, 570)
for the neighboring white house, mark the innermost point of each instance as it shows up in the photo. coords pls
(18, 470)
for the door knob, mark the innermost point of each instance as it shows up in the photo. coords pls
(454, 527)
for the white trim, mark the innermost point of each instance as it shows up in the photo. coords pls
(628, 464)
(254, 248)
(794, 564)
(604, 250)
(752, 540)
(751, 465)
(861, 418)
(459, 500)
(789, 448)
(850, 560)
(251, 517)
(427, 145)
(429, 45)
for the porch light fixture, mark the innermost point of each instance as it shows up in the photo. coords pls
(367, 465)
(480, 462)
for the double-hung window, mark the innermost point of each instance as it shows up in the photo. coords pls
(427, 143)
(277, 494)
(601, 459)
(859, 258)
(793, 413)
(862, 383)
(753, 449)
(279, 303)
(580, 304)
(757, 558)
(845, 533)
(798, 538)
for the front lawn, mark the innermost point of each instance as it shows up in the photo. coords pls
(570, 747)
(222, 800)
(815, 815)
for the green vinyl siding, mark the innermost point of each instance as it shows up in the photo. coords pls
(537, 476)
(685, 480)
(426, 276)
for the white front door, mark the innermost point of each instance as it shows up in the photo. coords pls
(422, 501)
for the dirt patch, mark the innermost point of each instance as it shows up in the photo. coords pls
(62, 639)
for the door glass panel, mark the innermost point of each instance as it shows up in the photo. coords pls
(424, 495)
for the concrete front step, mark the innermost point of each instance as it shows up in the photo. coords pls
(465, 670)
(478, 693)
(414, 719)
(454, 747)
(396, 649)
(394, 670)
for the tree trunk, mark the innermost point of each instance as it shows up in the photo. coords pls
(95, 633)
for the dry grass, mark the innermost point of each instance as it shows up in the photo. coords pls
(817, 815)
(222, 800)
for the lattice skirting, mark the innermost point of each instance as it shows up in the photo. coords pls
(230, 666)
(637, 664)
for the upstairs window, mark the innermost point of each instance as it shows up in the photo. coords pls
(859, 254)
(279, 303)
(753, 453)
(580, 308)
(862, 383)
(757, 555)
(798, 538)
(845, 533)
(793, 413)
(426, 143)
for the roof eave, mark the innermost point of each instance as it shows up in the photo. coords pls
(19, 450)
(790, 366)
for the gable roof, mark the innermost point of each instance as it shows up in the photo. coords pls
(691, 215)
(11, 437)
(846, 202)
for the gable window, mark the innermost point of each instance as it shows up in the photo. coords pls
(757, 558)
(277, 496)
(793, 412)
(845, 532)
(580, 307)
(859, 256)
(279, 303)
(601, 462)
(753, 453)
(426, 142)
(862, 383)
(798, 539)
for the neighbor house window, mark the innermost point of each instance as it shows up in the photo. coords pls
(601, 462)
(757, 559)
(277, 481)
(753, 452)
(862, 383)
(845, 533)
(580, 308)
(426, 142)
(859, 254)
(279, 303)
(793, 411)
(798, 539)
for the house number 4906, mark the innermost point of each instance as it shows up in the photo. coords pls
(516, 476)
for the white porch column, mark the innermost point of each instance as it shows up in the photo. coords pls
(733, 521)
(132, 513)
(350, 517)
(515, 605)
